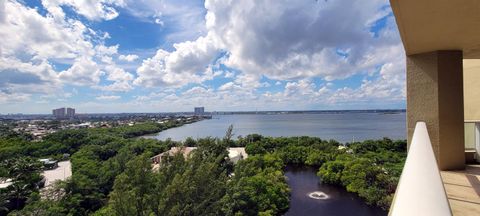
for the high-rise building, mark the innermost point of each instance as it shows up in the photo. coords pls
(199, 111)
(63, 112)
(70, 112)
(59, 113)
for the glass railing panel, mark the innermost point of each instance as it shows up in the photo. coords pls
(469, 135)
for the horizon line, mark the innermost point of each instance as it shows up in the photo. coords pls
(220, 111)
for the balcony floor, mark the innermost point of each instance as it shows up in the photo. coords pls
(463, 190)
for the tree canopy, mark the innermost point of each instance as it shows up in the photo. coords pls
(112, 172)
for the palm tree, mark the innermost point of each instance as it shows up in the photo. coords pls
(25, 176)
(23, 168)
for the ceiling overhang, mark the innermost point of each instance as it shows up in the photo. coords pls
(430, 25)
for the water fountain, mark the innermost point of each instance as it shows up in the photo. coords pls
(318, 195)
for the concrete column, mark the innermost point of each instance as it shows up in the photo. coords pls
(435, 95)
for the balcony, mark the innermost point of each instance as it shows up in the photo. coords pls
(424, 190)
(463, 190)
(442, 50)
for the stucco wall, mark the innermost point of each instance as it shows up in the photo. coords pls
(435, 96)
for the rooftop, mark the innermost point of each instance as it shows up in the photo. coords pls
(62, 172)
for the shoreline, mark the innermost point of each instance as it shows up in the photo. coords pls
(6, 116)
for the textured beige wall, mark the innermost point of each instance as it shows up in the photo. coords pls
(435, 95)
(422, 81)
(471, 88)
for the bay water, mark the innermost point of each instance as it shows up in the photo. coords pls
(343, 127)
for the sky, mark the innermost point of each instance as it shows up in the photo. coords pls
(172, 55)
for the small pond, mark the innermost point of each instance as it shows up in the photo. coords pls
(310, 197)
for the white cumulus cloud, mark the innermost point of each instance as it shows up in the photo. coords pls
(83, 72)
(188, 63)
(128, 58)
(92, 9)
(281, 40)
(108, 97)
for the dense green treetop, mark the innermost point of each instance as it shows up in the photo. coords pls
(112, 172)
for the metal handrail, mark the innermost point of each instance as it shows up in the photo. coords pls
(420, 190)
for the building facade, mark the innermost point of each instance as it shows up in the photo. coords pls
(70, 112)
(63, 112)
(59, 113)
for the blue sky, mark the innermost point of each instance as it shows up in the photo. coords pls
(161, 56)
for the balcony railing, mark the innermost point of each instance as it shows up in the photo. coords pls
(420, 190)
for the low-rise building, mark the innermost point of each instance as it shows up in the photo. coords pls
(234, 154)
(49, 163)
(4, 183)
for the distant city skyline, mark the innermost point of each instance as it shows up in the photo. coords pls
(167, 56)
(385, 111)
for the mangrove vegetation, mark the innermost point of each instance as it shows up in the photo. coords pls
(112, 172)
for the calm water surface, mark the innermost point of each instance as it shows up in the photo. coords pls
(343, 127)
(303, 180)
